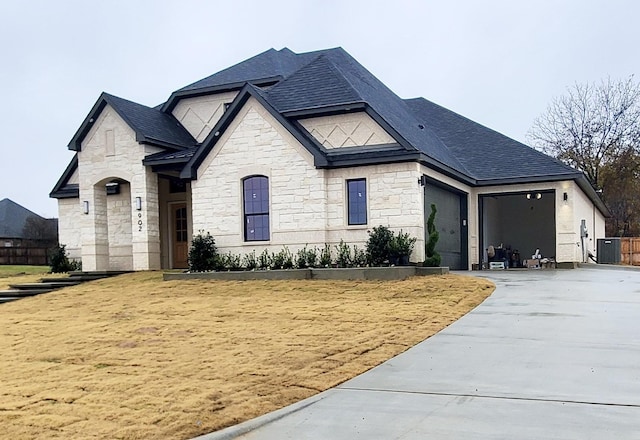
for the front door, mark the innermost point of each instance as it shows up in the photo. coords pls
(180, 236)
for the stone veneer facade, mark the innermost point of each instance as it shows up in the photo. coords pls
(307, 205)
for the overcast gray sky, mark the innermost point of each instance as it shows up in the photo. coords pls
(499, 63)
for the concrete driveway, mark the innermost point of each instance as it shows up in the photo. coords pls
(551, 354)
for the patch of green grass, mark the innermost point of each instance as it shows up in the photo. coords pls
(12, 270)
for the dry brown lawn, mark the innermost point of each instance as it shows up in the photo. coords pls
(135, 357)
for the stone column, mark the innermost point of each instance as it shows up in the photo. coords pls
(94, 229)
(145, 222)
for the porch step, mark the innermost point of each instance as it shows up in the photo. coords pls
(22, 293)
(49, 286)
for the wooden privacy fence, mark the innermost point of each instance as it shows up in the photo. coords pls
(32, 256)
(630, 249)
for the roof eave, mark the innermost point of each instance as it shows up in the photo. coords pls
(66, 175)
(194, 93)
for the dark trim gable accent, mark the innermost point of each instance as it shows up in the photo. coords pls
(248, 91)
(326, 111)
(182, 94)
(62, 190)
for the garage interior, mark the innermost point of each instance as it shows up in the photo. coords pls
(516, 225)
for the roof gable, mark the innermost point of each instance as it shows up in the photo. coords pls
(248, 91)
(151, 125)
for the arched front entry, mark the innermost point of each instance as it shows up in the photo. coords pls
(108, 234)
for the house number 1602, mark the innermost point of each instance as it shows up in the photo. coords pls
(139, 222)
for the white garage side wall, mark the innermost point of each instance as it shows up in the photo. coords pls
(69, 219)
(585, 209)
(350, 130)
(394, 199)
(256, 144)
(199, 115)
(110, 151)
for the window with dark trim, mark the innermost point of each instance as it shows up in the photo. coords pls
(357, 201)
(256, 208)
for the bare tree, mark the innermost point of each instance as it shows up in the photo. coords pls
(591, 125)
(38, 228)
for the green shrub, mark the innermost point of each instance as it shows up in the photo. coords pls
(359, 257)
(379, 245)
(59, 260)
(230, 261)
(203, 254)
(432, 256)
(325, 256)
(249, 261)
(402, 245)
(306, 257)
(344, 255)
(264, 260)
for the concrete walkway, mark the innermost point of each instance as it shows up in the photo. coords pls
(551, 354)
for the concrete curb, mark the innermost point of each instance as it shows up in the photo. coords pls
(237, 430)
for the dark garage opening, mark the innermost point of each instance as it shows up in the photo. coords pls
(518, 223)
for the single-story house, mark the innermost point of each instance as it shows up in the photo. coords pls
(25, 237)
(306, 149)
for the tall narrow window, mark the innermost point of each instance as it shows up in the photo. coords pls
(256, 208)
(357, 201)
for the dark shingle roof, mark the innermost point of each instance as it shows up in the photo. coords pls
(151, 125)
(13, 218)
(269, 65)
(485, 153)
(347, 82)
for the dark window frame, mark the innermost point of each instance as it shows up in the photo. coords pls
(357, 210)
(256, 209)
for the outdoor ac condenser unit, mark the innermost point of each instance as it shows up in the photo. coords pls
(609, 251)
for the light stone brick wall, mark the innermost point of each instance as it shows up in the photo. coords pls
(119, 227)
(199, 115)
(69, 215)
(95, 169)
(256, 144)
(394, 199)
(307, 205)
(349, 130)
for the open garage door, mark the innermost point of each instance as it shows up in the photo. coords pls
(451, 223)
(519, 223)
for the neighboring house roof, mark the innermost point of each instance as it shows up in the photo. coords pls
(13, 218)
(151, 125)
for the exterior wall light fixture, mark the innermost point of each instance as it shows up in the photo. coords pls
(85, 207)
(138, 203)
(565, 196)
